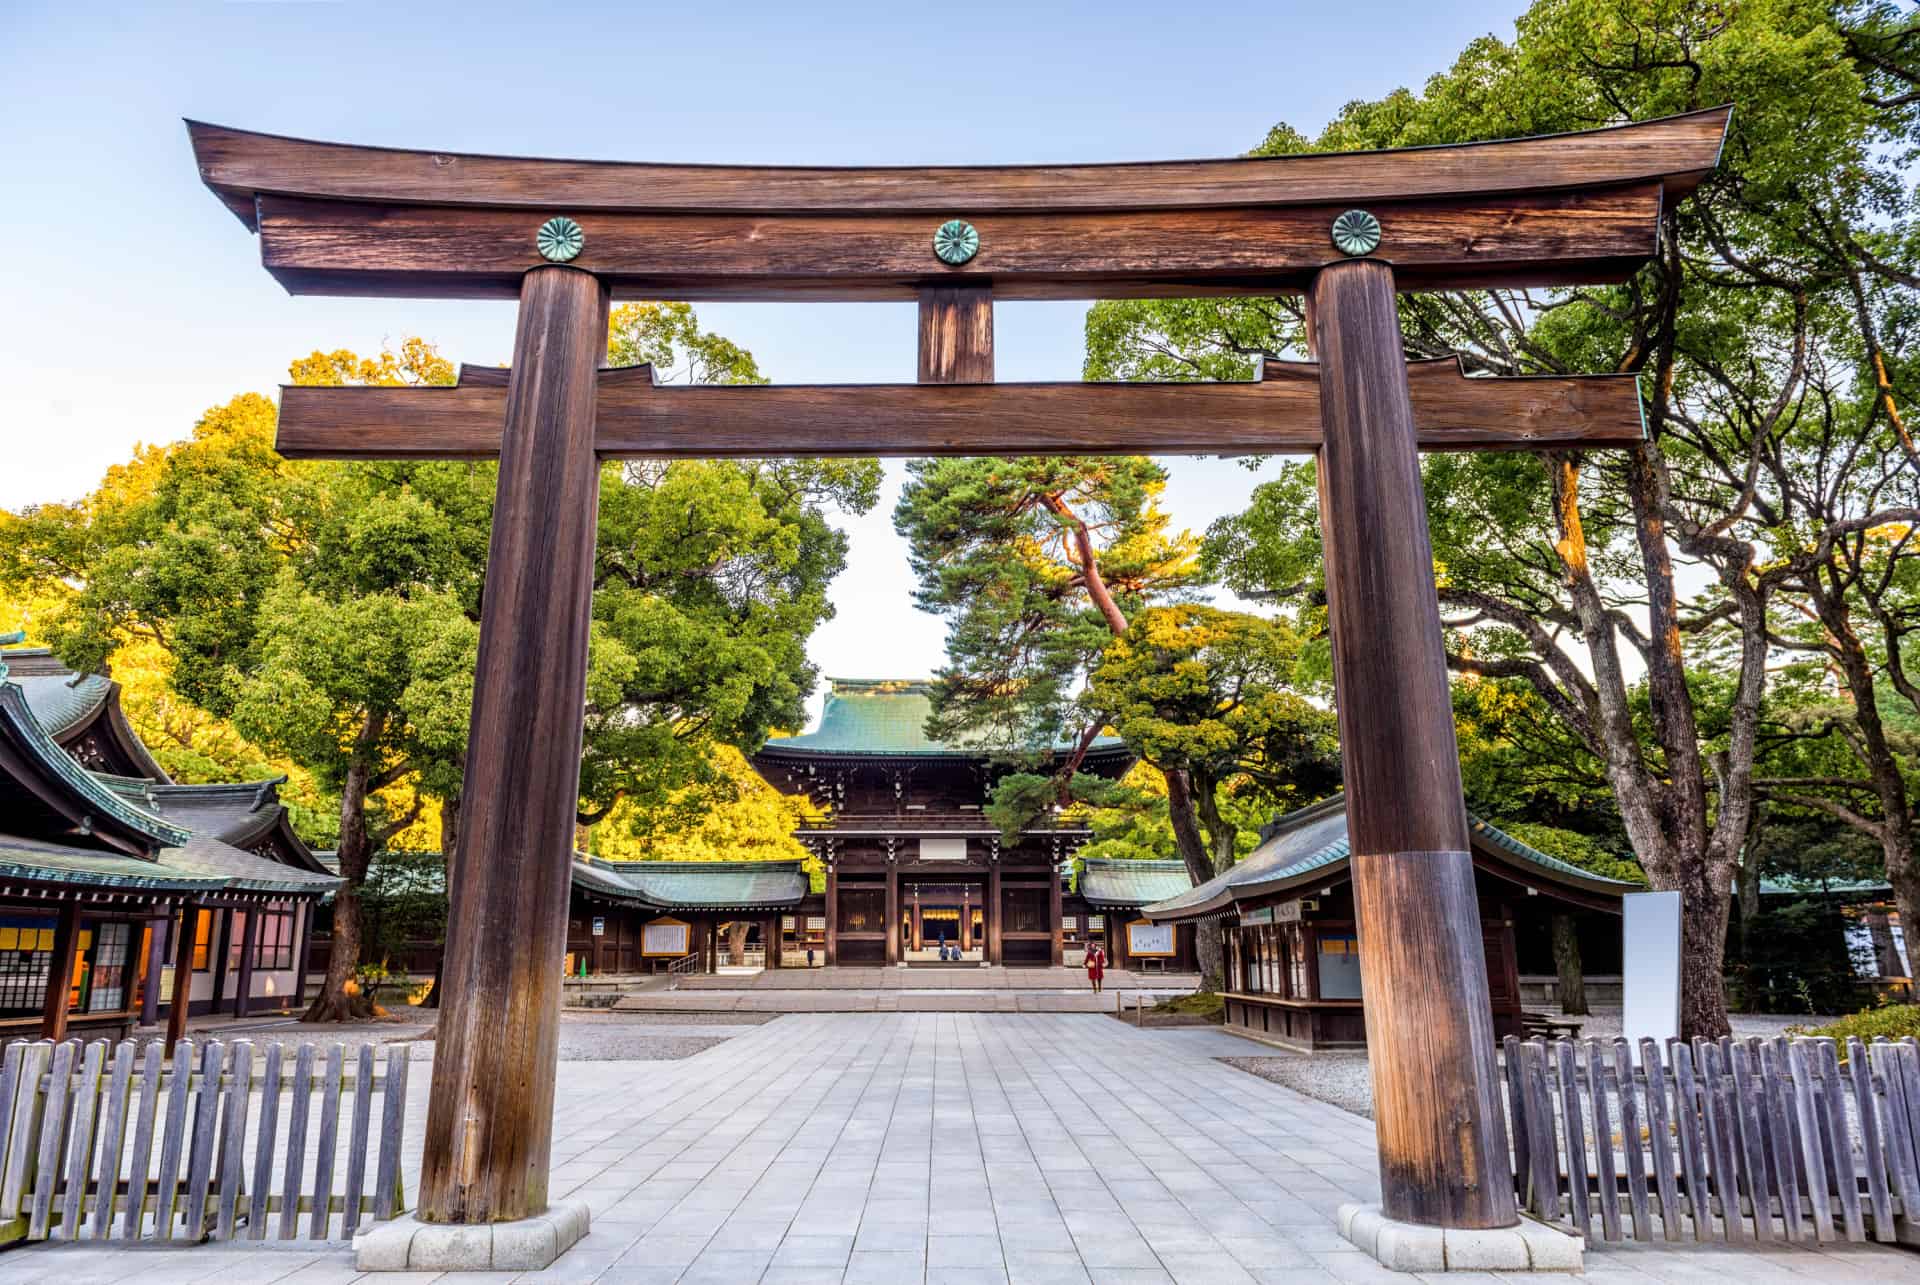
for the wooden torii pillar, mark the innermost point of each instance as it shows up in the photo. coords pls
(1347, 231)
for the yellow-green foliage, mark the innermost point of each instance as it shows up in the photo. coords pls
(1889, 1021)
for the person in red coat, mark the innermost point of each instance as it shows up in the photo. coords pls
(1096, 965)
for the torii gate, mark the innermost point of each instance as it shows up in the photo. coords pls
(1345, 230)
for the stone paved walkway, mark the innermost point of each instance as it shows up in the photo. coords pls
(948, 1148)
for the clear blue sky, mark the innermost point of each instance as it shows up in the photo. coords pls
(133, 301)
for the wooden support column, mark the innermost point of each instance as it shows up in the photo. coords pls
(770, 941)
(249, 938)
(956, 335)
(1429, 1020)
(182, 975)
(303, 938)
(995, 903)
(833, 917)
(490, 1117)
(1054, 915)
(966, 920)
(919, 927)
(53, 1011)
(219, 934)
(893, 915)
(157, 940)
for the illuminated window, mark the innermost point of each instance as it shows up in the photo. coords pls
(202, 940)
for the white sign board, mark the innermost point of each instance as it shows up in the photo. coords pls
(599, 926)
(1650, 973)
(664, 937)
(1144, 938)
(943, 849)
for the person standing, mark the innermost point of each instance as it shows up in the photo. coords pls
(1096, 965)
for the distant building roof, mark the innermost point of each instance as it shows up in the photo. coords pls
(67, 703)
(244, 814)
(1310, 845)
(680, 885)
(1120, 883)
(69, 826)
(886, 716)
(696, 885)
(1791, 886)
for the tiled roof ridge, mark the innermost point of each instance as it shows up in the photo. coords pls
(782, 864)
(257, 793)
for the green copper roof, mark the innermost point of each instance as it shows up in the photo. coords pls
(1106, 882)
(1310, 845)
(696, 885)
(680, 885)
(59, 698)
(32, 737)
(49, 863)
(884, 716)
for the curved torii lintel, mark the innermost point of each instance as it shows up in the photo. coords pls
(338, 219)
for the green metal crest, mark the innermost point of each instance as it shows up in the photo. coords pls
(560, 239)
(13, 639)
(955, 242)
(1356, 232)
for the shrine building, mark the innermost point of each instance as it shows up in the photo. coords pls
(915, 871)
(104, 862)
(1292, 939)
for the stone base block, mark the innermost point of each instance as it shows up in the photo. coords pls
(409, 1245)
(1529, 1246)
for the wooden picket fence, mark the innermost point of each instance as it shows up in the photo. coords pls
(1736, 1140)
(101, 1142)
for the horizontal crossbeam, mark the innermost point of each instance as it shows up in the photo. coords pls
(1280, 412)
(434, 252)
(1562, 210)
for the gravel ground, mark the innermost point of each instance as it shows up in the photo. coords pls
(1342, 1078)
(584, 1036)
(1339, 1078)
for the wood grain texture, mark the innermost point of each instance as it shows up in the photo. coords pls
(956, 335)
(1538, 238)
(1421, 953)
(490, 1118)
(53, 1007)
(1278, 413)
(180, 1000)
(238, 164)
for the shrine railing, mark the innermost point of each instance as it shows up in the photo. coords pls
(904, 822)
(102, 1142)
(1738, 1140)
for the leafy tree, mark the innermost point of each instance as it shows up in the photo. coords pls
(1771, 335)
(710, 576)
(329, 610)
(1036, 563)
(1208, 696)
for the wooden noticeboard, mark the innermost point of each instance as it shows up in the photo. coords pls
(1148, 940)
(666, 938)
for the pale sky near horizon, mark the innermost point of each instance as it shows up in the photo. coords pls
(134, 301)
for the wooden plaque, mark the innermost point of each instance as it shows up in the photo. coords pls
(666, 938)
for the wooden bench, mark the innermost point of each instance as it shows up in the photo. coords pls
(1550, 1026)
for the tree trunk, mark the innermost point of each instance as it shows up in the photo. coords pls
(335, 1003)
(1209, 944)
(1566, 963)
(1749, 886)
(737, 943)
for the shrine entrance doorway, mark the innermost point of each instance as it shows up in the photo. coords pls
(945, 923)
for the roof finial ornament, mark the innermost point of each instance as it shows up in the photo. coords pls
(13, 639)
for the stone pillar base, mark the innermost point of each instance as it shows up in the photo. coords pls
(1529, 1246)
(408, 1245)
